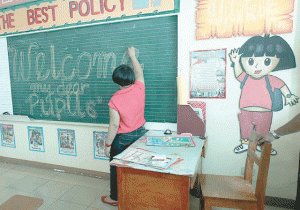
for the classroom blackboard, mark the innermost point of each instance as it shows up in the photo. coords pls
(65, 75)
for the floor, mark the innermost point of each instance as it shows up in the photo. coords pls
(61, 191)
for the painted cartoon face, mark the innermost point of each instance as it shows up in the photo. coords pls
(258, 67)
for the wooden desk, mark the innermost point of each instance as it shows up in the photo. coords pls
(141, 187)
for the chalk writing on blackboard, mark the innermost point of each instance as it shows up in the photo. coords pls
(57, 84)
(100, 59)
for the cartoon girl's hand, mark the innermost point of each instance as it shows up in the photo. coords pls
(291, 100)
(234, 55)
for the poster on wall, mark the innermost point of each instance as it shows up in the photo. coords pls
(99, 142)
(7, 136)
(36, 139)
(66, 140)
(207, 74)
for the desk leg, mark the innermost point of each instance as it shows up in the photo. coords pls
(139, 189)
(195, 185)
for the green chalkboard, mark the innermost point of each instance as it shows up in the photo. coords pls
(65, 75)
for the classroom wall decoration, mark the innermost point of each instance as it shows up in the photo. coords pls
(261, 93)
(227, 18)
(66, 142)
(207, 74)
(7, 136)
(36, 139)
(99, 142)
(40, 15)
(65, 75)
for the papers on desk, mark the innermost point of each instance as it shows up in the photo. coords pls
(171, 141)
(147, 158)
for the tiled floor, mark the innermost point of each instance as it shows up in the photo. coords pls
(60, 191)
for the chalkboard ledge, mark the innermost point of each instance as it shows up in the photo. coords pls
(17, 118)
(26, 119)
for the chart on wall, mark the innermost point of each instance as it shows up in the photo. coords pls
(65, 75)
(207, 74)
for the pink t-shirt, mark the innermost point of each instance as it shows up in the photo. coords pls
(130, 103)
(255, 92)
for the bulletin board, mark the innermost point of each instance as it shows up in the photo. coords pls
(65, 75)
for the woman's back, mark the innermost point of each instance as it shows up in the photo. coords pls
(130, 103)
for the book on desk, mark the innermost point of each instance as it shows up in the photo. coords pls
(171, 141)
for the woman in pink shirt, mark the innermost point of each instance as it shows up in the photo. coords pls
(126, 111)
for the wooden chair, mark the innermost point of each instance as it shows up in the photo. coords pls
(234, 191)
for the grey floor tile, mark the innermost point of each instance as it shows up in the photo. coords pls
(11, 177)
(62, 205)
(38, 172)
(53, 189)
(82, 195)
(28, 183)
(81, 180)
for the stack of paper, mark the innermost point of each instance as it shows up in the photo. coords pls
(147, 158)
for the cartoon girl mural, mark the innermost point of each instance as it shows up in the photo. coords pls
(252, 64)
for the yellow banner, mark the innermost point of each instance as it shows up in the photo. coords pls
(227, 18)
(62, 13)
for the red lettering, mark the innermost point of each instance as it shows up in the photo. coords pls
(107, 9)
(40, 15)
(122, 5)
(102, 6)
(37, 16)
(73, 7)
(87, 8)
(52, 7)
(2, 16)
(30, 17)
(92, 7)
(7, 21)
(11, 20)
(44, 12)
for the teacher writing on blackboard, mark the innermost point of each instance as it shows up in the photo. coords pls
(126, 111)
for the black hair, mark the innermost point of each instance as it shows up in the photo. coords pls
(269, 46)
(123, 75)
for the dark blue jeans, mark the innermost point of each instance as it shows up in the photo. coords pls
(120, 143)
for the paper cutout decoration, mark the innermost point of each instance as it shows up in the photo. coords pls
(227, 18)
